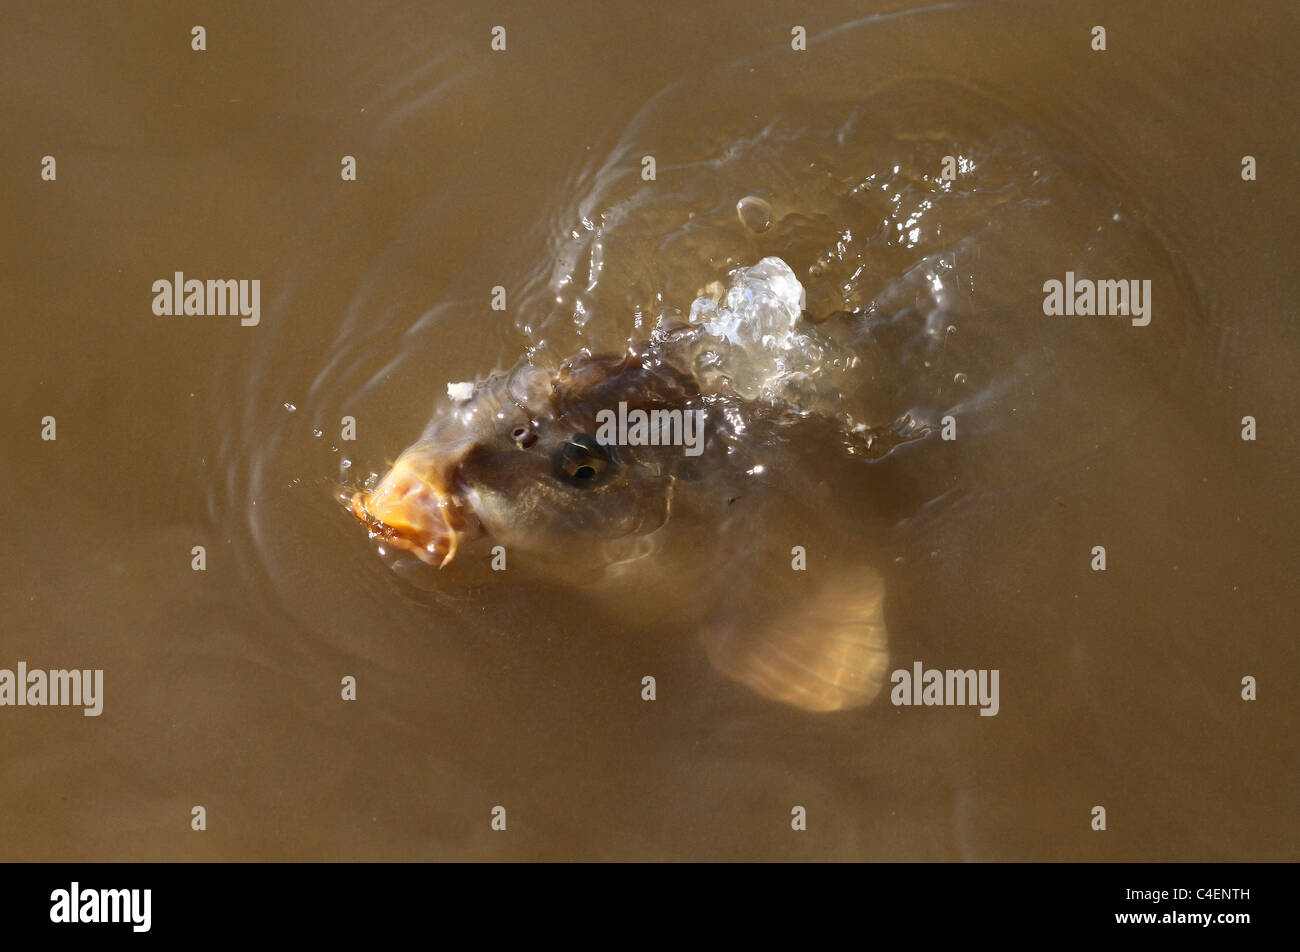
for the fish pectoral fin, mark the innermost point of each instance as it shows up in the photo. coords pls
(824, 649)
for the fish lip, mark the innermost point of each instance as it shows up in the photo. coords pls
(443, 518)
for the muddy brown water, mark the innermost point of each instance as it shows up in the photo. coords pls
(476, 169)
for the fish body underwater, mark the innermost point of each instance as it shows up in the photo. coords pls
(641, 478)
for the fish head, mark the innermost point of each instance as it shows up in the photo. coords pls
(521, 463)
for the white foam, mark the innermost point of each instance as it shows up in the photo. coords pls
(762, 346)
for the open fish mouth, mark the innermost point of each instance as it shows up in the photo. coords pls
(413, 509)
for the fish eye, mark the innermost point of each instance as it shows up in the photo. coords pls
(524, 436)
(582, 460)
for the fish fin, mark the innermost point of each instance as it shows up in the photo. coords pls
(825, 649)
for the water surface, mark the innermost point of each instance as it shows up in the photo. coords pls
(522, 170)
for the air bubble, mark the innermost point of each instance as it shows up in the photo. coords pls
(755, 214)
(959, 378)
